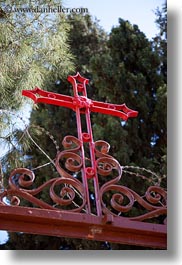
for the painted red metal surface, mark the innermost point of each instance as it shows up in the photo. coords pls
(83, 105)
(76, 225)
(71, 211)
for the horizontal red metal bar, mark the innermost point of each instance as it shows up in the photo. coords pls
(40, 96)
(121, 111)
(49, 98)
(77, 225)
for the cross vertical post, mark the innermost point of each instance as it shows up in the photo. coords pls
(83, 103)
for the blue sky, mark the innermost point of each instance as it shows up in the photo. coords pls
(140, 12)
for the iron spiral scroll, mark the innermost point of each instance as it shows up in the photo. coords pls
(67, 191)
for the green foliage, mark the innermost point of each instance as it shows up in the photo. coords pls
(86, 39)
(34, 50)
(129, 73)
(160, 40)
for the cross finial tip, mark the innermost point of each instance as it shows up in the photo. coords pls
(78, 78)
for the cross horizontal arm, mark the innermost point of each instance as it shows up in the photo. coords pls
(40, 96)
(121, 111)
(49, 98)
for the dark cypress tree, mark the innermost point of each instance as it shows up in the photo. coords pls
(129, 73)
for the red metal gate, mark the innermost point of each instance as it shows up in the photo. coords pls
(71, 212)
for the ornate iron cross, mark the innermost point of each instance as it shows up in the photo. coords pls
(70, 211)
(81, 104)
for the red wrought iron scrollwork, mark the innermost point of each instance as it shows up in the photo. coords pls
(68, 193)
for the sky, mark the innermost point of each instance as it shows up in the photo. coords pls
(139, 12)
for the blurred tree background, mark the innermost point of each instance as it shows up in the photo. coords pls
(123, 66)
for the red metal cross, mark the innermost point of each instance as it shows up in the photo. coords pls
(81, 104)
(112, 219)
